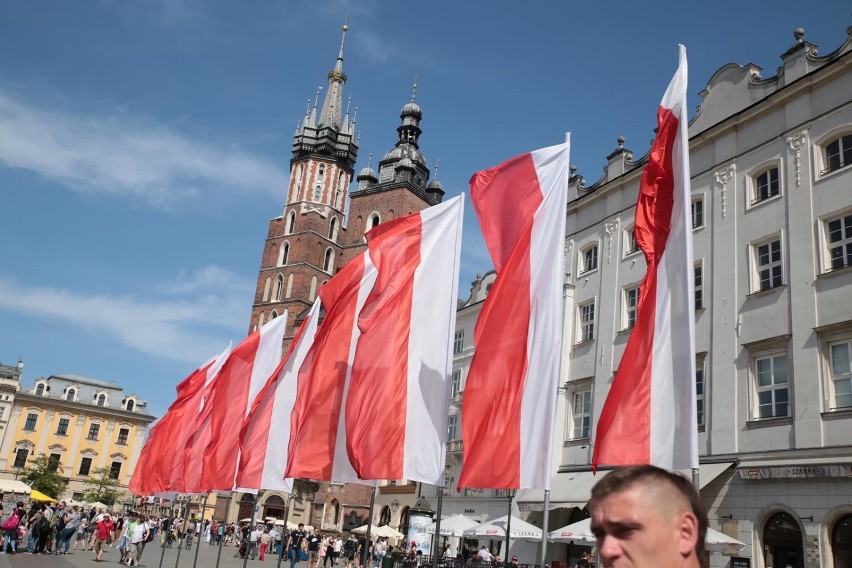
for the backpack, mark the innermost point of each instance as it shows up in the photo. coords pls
(43, 525)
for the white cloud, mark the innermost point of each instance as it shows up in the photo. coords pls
(186, 326)
(124, 156)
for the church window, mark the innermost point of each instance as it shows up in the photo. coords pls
(273, 315)
(289, 286)
(299, 172)
(260, 320)
(291, 222)
(284, 253)
(332, 230)
(266, 289)
(317, 192)
(279, 288)
(321, 172)
(328, 265)
(313, 294)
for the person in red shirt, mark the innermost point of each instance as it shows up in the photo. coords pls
(104, 530)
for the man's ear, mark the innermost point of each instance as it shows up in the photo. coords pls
(687, 528)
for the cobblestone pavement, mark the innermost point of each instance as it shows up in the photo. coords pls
(150, 558)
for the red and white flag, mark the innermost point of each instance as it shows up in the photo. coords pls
(263, 453)
(161, 459)
(385, 349)
(228, 402)
(510, 394)
(649, 416)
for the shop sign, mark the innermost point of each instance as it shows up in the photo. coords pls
(796, 472)
(740, 562)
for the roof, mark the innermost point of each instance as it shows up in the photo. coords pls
(86, 380)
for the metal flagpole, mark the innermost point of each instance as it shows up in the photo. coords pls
(366, 547)
(286, 518)
(251, 529)
(185, 516)
(544, 526)
(508, 529)
(222, 538)
(165, 537)
(695, 478)
(198, 539)
(436, 553)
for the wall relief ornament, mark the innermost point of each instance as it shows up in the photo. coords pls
(796, 142)
(722, 178)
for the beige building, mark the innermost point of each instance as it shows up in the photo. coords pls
(81, 423)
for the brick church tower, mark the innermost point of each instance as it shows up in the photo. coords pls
(307, 244)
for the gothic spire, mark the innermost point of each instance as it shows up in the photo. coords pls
(332, 106)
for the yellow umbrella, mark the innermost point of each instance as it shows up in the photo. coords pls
(39, 496)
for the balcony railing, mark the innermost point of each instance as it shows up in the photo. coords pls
(455, 446)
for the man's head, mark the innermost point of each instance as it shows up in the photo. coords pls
(301, 526)
(646, 516)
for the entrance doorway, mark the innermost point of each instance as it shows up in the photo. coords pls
(841, 542)
(782, 542)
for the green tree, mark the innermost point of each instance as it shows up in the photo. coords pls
(102, 487)
(42, 475)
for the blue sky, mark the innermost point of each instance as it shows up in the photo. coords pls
(145, 145)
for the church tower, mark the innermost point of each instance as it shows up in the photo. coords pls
(302, 249)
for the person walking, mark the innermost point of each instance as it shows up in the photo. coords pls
(254, 539)
(83, 532)
(10, 528)
(138, 536)
(103, 531)
(264, 543)
(294, 544)
(71, 521)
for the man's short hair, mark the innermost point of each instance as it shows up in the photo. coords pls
(624, 478)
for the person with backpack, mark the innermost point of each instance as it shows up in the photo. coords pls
(41, 531)
(70, 521)
(10, 528)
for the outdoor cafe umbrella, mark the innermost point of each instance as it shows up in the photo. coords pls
(452, 526)
(98, 505)
(363, 529)
(387, 532)
(497, 529)
(581, 533)
(39, 496)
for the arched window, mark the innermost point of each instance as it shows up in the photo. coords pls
(321, 172)
(101, 400)
(782, 541)
(279, 288)
(375, 220)
(246, 506)
(299, 172)
(39, 389)
(385, 516)
(291, 222)
(266, 289)
(335, 512)
(289, 285)
(313, 294)
(129, 406)
(328, 264)
(332, 229)
(341, 184)
(841, 541)
(284, 253)
(260, 320)
(317, 192)
(70, 394)
(273, 315)
(404, 518)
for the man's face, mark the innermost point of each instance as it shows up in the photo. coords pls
(638, 528)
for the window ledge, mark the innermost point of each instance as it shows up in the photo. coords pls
(624, 331)
(830, 273)
(845, 412)
(587, 272)
(760, 202)
(575, 442)
(826, 173)
(699, 311)
(768, 422)
(698, 228)
(701, 428)
(630, 253)
(584, 342)
(767, 291)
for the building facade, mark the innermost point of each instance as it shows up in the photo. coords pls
(81, 423)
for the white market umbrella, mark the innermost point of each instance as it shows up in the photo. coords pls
(452, 526)
(387, 532)
(581, 533)
(363, 529)
(497, 529)
(97, 505)
(246, 520)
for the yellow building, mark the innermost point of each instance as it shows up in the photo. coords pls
(82, 423)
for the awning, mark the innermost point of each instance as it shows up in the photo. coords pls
(14, 486)
(574, 488)
(41, 497)
(803, 468)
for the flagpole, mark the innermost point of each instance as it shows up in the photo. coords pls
(286, 518)
(508, 529)
(221, 540)
(198, 539)
(546, 518)
(437, 540)
(165, 537)
(185, 517)
(251, 529)
(366, 547)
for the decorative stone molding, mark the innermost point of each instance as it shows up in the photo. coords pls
(569, 247)
(722, 178)
(796, 142)
(611, 227)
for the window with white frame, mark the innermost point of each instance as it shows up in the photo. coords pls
(452, 427)
(699, 389)
(455, 381)
(838, 237)
(589, 259)
(838, 154)
(291, 222)
(284, 253)
(458, 342)
(587, 321)
(840, 372)
(765, 185)
(581, 413)
(771, 386)
(317, 192)
(698, 272)
(697, 212)
(630, 244)
(631, 302)
(768, 265)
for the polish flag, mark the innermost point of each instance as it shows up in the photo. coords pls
(649, 416)
(227, 403)
(263, 455)
(163, 450)
(510, 394)
(385, 349)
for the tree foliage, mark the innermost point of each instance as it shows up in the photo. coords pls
(101, 487)
(43, 476)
